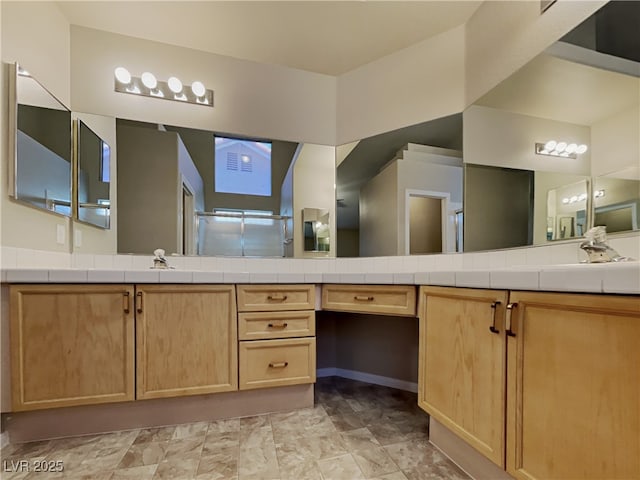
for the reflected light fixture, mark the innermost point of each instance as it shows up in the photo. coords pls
(173, 89)
(560, 149)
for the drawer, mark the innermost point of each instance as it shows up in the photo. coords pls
(269, 298)
(273, 363)
(383, 299)
(263, 325)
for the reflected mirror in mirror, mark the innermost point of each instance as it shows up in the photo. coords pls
(316, 229)
(93, 177)
(400, 192)
(192, 191)
(570, 93)
(567, 211)
(42, 169)
(616, 203)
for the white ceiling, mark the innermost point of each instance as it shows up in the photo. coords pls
(330, 37)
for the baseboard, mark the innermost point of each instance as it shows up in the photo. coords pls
(368, 378)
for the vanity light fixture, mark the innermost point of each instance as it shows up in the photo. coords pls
(598, 194)
(173, 89)
(575, 198)
(560, 149)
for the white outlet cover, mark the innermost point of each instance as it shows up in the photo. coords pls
(60, 234)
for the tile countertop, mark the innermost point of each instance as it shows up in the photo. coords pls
(623, 278)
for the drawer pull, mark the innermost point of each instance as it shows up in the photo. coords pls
(494, 307)
(278, 364)
(510, 308)
(277, 298)
(139, 300)
(277, 325)
(126, 301)
(363, 298)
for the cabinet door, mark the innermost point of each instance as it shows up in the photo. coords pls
(462, 364)
(186, 339)
(574, 387)
(71, 345)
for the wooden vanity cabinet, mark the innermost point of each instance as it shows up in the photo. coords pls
(71, 345)
(564, 403)
(378, 299)
(573, 387)
(462, 369)
(186, 340)
(277, 333)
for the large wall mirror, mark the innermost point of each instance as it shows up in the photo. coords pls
(40, 173)
(400, 192)
(518, 194)
(198, 192)
(92, 177)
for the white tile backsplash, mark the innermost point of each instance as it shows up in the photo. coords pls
(123, 262)
(142, 276)
(622, 278)
(472, 278)
(515, 280)
(263, 277)
(192, 263)
(581, 278)
(103, 262)
(82, 260)
(32, 275)
(175, 276)
(379, 278)
(208, 277)
(515, 257)
(290, 277)
(105, 276)
(442, 277)
(68, 276)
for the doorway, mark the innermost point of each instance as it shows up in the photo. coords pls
(188, 246)
(425, 219)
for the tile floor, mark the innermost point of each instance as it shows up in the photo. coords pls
(354, 431)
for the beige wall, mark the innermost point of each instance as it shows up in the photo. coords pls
(506, 139)
(615, 142)
(314, 177)
(420, 83)
(433, 78)
(376, 344)
(379, 214)
(502, 36)
(36, 35)
(255, 99)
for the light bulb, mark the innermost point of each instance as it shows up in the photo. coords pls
(571, 148)
(565, 200)
(582, 196)
(198, 89)
(561, 146)
(581, 149)
(550, 145)
(122, 75)
(175, 85)
(573, 199)
(149, 80)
